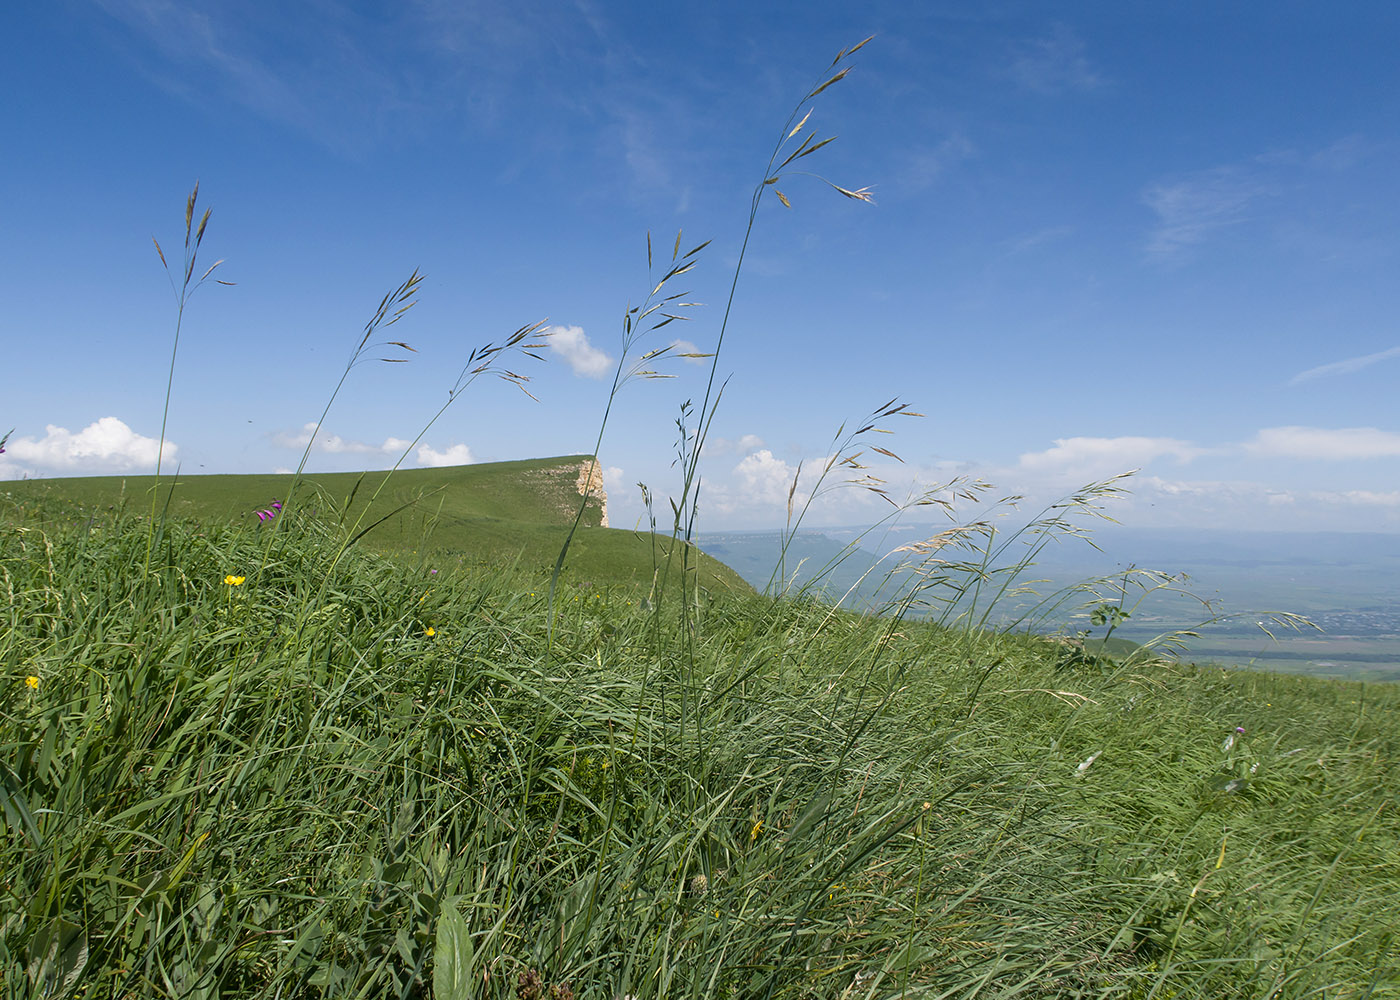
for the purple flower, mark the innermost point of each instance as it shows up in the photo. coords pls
(1239, 729)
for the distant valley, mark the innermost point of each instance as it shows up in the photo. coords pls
(1347, 584)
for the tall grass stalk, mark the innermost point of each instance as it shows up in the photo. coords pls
(392, 308)
(184, 290)
(685, 508)
(488, 359)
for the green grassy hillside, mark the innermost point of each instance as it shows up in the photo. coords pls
(491, 514)
(266, 769)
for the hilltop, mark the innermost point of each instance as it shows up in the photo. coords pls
(488, 514)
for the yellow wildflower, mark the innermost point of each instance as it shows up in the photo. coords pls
(33, 682)
(430, 631)
(234, 581)
(757, 829)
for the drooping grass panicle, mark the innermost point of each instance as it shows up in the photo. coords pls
(392, 308)
(772, 175)
(655, 312)
(844, 456)
(685, 507)
(184, 290)
(487, 360)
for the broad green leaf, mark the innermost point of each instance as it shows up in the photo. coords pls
(452, 956)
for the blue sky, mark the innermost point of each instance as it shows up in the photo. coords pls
(1105, 236)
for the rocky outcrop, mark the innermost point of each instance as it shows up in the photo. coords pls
(590, 481)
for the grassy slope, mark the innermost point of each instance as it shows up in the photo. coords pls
(774, 796)
(491, 514)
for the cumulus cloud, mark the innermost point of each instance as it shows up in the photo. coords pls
(105, 446)
(1092, 457)
(457, 454)
(1345, 367)
(571, 344)
(762, 478)
(1318, 442)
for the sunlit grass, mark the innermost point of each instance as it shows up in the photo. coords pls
(201, 799)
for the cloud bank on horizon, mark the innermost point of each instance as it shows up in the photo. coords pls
(1097, 245)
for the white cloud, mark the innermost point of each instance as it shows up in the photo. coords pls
(105, 446)
(1147, 486)
(1254, 506)
(1346, 366)
(764, 479)
(287, 439)
(725, 446)
(1318, 442)
(1095, 457)
(457, 454)
(333, 444)
(614, 479)
(571, 344)
(1054, 65)
(1192, 208)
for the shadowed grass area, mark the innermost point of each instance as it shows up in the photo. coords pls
(208, 791)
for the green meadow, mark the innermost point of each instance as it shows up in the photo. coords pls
(441, 735)
(273, 767)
